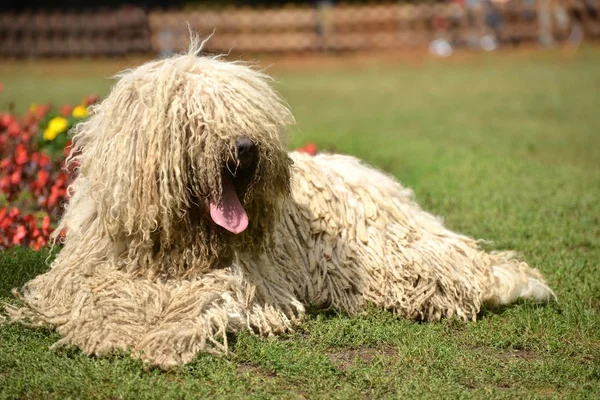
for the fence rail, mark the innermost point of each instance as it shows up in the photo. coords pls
(294, 29)
(59, 33)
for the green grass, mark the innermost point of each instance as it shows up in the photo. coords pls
(504, 147)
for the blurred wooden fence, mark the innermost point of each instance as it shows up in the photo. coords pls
(293, 29)
(73, 33)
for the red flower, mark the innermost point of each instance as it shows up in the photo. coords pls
(46, 225)
(4, 184)
(309, 148)
(19, 235)
(41, 159)
(42, 178)
(3, 213)
(13, 129)
(6, 120)
(15, 177)
(5, 223)
(41, 111)
(21, 155)
(30, 220)
(65, 110)
(38, 243)
(90, 100)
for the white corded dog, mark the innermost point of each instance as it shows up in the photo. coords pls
(189, 219)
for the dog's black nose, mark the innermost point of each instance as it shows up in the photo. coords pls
(244, 146)
(245, 151)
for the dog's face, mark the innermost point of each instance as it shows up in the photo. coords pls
(236, 188)
(187, 161)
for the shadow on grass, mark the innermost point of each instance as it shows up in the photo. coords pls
(487, 312)
(19, 265)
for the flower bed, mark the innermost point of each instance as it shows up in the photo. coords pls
(33, 180)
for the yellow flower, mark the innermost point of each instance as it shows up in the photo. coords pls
(80, 112)
(49, 134)
(33, 107)
(55, 126)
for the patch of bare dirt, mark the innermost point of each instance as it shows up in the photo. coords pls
(255, 370)
(521, 353)
(345, 359)
(503, 385)
(509, 354)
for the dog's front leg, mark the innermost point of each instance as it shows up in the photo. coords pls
(201, 312)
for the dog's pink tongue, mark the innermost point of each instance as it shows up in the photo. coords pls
(229, 213)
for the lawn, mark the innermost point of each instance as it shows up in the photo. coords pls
(504, 147)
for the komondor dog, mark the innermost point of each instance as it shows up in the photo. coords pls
(189, 220)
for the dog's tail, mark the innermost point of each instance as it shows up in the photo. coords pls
(513, 279)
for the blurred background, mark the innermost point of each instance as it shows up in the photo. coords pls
(111, 28)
